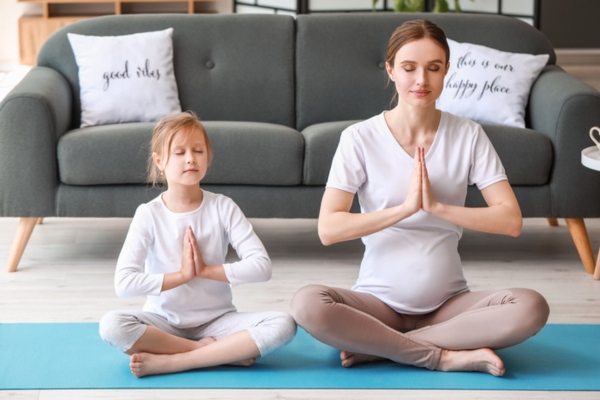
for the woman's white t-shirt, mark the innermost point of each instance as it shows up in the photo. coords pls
(414, 265)
(154, 247)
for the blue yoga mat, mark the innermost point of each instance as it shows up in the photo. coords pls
(72, 356)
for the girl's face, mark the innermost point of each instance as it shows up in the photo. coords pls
(187, 161)
(418, 72)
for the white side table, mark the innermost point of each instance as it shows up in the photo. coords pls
(590, 158)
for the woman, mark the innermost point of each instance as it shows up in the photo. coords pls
(411, 167)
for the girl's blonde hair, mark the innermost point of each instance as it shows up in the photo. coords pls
(162, 137)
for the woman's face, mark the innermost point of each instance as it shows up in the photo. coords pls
(418, 72)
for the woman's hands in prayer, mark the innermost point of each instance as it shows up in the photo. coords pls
(420, 195)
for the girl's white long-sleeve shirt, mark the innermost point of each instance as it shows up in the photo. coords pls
(154, 247)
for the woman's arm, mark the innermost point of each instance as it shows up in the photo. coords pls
(503, 214)
(338, 224)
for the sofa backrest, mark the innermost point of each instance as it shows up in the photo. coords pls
(340, 68)
(228, 67)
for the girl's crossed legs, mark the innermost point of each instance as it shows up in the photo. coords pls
(458, 336)
(157, 347)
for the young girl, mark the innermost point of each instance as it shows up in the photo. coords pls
(410, 167)
(174, 253)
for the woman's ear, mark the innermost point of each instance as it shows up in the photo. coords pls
(390, 71)
(447, 67)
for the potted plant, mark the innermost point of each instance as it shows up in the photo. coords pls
(419, 5)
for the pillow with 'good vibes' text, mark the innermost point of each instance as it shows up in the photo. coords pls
(127, 78)
(488, 85)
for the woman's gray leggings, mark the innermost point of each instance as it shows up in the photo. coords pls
(361, 323)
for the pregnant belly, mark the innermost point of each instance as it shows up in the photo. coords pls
(415, 274)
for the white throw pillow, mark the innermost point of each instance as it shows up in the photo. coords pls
(488, 85)
(127, 78)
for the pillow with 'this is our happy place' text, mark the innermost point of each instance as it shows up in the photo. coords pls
(488, 85)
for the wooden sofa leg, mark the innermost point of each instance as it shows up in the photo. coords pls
(582, 242)
(22, 236)
(553, 221)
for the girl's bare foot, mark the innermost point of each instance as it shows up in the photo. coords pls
(143, 364)
(244, 363)
(350, 359)
(482, 360)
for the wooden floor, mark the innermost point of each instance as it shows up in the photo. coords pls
(67, 270)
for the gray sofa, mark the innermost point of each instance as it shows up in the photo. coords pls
(274, 94)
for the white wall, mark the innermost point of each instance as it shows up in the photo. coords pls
(10, 12)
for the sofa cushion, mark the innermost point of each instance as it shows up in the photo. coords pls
(104, 155)
(254, 153)
(526, 154)
(245, 153)
(321, 141)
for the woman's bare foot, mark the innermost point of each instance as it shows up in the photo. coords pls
(350, 359)
(482, 360)
(144, 364)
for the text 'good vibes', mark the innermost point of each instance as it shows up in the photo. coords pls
(140, 72)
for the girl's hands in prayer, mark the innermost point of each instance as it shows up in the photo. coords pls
(192, 265)
(199, 266)
(188, 269)
(200, 269)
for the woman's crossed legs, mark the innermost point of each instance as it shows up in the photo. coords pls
(459, 336)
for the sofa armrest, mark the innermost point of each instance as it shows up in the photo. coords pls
(564, 108)
(32, 118)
